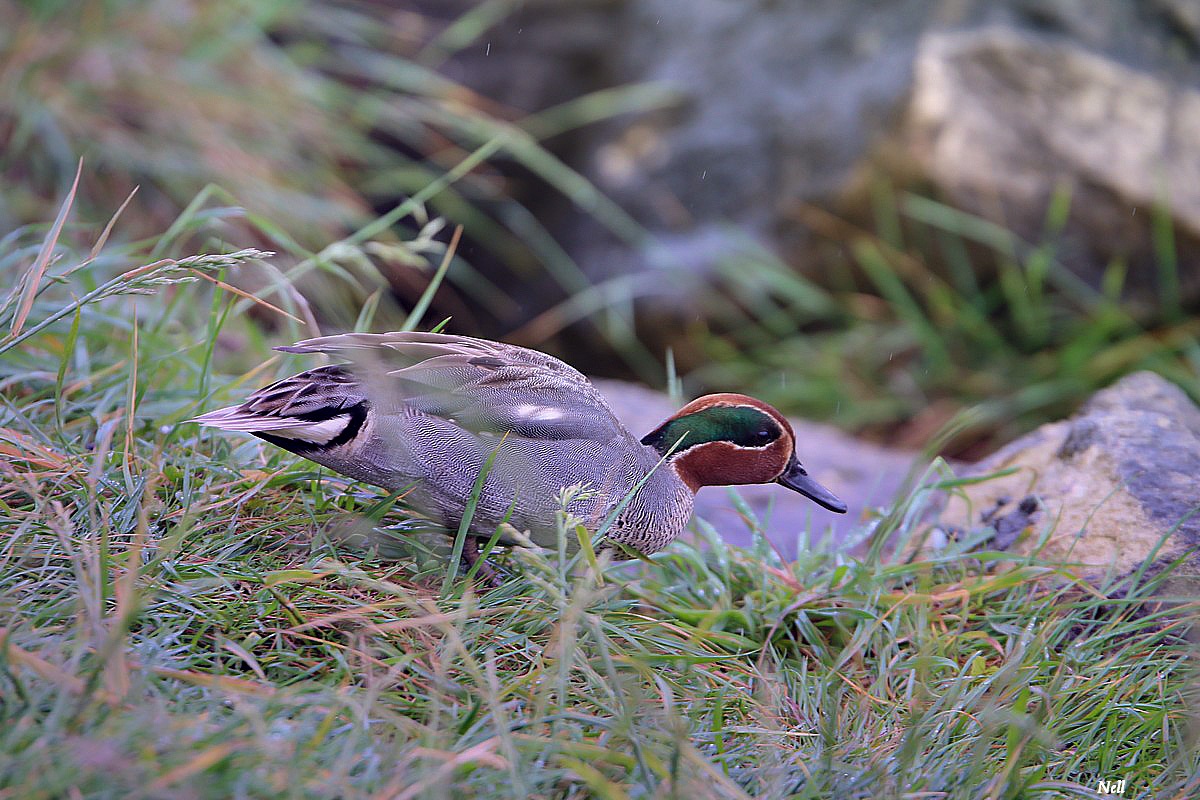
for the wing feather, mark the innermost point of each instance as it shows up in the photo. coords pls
(481, 386)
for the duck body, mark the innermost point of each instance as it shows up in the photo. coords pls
(422, 414)
(525, 481)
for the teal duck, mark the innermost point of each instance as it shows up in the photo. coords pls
(422, 413)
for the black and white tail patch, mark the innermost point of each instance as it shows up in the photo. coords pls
(315, 410)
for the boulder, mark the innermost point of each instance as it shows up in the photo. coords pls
(1000, 120)
(1116, 485)
(862, 474)
(990, 105)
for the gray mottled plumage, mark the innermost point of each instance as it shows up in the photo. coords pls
(422, 412)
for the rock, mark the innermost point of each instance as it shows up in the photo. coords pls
(779, 104)
(989, 104)
(539, 53)
(1114, 482)
(1000, 120)
(861, 474)
(1183, 15)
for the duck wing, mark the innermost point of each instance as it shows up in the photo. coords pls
(479, 385)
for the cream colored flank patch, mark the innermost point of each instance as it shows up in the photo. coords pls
(321, 432)
(234, 419)
(537, 413)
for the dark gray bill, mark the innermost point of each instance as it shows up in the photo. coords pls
(795, 478)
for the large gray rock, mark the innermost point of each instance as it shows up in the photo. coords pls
(1114, 482)
(1000, 120)
(863, 475)
(779, 106)
(536, 54)
(988, 104)
(991, 106)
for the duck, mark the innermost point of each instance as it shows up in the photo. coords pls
(423, 414)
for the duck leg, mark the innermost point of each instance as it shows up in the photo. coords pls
(485, 572)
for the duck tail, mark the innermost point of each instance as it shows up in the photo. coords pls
(316, 410)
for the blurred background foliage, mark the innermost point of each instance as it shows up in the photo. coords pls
(314, 118)
(332, 134)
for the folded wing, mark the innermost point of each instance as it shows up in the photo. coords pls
(480, 386)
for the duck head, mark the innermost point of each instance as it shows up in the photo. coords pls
(732, 439)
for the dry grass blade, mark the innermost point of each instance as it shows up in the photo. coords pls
(33, 278)
(241, 293)
(481, 754)
(108, 228)
(49, 671)
(197, 764)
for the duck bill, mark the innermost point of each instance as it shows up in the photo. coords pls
(797, 479)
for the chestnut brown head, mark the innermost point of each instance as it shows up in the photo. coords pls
(732, 439)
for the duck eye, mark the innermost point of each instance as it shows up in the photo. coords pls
(764, 435)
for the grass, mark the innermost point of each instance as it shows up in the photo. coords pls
(186, 615)
(932, 312)
(299, 124)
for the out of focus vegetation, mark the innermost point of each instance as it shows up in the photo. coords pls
(937, 318)
(321, 119)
